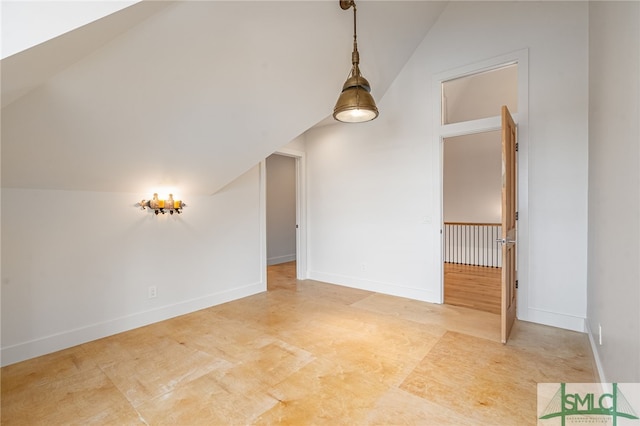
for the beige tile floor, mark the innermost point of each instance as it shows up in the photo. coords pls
(303, 353)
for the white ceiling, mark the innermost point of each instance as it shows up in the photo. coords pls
(29, 23)
(189, 94)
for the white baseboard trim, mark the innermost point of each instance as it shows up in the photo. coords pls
(37, 347)
(375, 286)
(281, 259)
(554, 319)
(596, 354)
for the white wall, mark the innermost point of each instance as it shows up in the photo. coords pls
(614, 182)
(472, 178)
(281, 209)
(374, 189)
(76, 265)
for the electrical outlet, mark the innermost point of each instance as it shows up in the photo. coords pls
(599, 334)
(152, 291)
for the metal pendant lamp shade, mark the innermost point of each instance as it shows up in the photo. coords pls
(355, 103)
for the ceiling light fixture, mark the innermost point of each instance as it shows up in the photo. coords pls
(355, 103)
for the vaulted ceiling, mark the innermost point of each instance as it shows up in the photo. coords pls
(189, 94)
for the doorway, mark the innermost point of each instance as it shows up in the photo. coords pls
(281, 209)
(472, 209)
(284, 214)
(471, 105)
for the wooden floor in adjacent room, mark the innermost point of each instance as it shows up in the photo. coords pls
(475, 287)
(302, 353)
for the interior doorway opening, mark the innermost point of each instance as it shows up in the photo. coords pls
(472, 221)
(284, 214)
(471, 184)
(475, 87)
(281, 209)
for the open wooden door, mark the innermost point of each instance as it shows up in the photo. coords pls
(508, 223)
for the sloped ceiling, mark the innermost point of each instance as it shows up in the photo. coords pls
(29, 23)
(189, 94)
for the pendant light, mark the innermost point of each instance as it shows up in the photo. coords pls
(355, 103)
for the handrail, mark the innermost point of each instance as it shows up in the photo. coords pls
(473, 223)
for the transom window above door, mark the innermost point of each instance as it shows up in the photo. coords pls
(480, 95)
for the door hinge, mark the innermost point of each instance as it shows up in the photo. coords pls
(516, 146)
(516, 283)
(516, 215)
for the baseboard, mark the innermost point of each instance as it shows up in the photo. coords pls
(596, 354)
(281, 259)
(70, 338)
(376, 286)
(554, 319)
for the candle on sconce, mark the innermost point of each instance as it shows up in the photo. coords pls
(154, 203)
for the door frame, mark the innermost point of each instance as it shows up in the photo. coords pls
(301, 213)
(520, 57)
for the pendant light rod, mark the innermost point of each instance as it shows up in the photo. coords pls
(346, 5)
(355, 56)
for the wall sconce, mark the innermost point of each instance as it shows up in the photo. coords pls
(162, 206)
